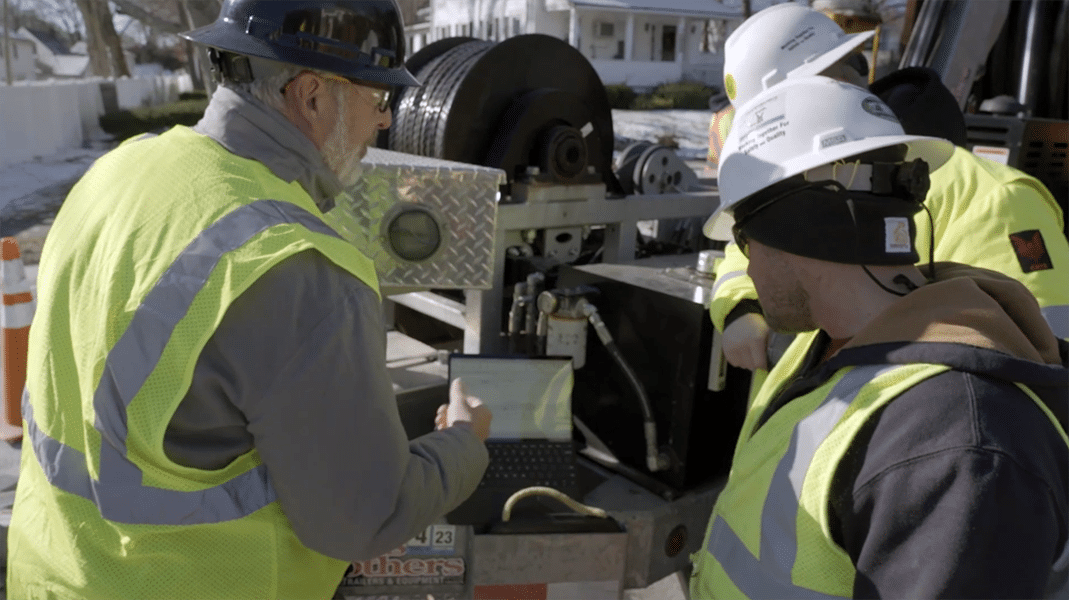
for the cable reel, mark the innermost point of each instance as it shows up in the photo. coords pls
(531, 105)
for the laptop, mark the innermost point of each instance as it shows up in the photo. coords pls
(530, 441)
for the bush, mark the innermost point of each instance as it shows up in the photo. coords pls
(685, 94)
(194, 95)
(125, 124)
(652, 102)
(620, 96)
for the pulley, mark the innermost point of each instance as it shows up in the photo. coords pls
(647, 168)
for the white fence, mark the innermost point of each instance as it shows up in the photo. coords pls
(39, 118)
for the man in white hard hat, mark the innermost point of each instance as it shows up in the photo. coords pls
(208, 409)
(981, 213)
(775, 42)
(911, 443)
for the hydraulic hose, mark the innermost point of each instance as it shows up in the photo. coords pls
(655, 461)
(593, 511)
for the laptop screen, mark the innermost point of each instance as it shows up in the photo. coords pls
(530, 397)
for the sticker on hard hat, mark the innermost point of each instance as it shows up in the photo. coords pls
(896, 235)
(729, 86)
(875, 107)
(798, 39)
(763, 123)
(834, 140)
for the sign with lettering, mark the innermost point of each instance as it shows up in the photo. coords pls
(433, 562)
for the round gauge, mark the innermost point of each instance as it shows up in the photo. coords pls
(413, 233)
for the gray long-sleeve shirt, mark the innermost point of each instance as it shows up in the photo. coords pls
(297, 370)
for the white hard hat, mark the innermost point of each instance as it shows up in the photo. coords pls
(782, 40)
(803, 124)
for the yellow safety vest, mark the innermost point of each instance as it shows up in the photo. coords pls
(976, 205)
(769, 534)
(147, 253)
(719, 126)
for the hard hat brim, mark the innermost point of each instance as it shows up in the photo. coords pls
(718, 227)
(216, 36)
(934, 151)
(821, 63)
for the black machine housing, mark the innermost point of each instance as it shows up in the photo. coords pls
(659, 318)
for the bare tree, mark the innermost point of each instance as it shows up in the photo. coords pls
(105, 47)
(410, 10)
(176, 16)
(60, 17)
(197, 13)
(7, 44)
(162, 15)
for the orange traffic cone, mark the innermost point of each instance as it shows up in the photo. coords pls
(15, 320)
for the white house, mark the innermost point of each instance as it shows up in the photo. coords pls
(23, 57)
(56, 60)
(641, 43)
(53, 56)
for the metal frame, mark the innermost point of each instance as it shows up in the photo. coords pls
(480, 315)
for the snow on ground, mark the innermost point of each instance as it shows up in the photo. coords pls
(689, 128)
(22, 179)
(31, 191)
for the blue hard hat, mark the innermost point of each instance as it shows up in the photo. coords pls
(357, 39)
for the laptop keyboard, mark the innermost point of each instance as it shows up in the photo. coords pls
(550, 464)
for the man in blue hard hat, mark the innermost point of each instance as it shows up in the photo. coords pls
(208, 409)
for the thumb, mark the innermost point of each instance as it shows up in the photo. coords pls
(456, 390)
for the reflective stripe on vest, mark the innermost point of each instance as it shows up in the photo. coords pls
(1058, 319)
(119, 493)
(726, 277)
(770, 576)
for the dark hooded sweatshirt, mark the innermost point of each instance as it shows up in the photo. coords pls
(958, 488)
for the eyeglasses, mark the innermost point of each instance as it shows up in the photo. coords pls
(741, 239)
(380, 97)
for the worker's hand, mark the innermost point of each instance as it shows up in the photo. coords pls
(745, 342)
(464, 408)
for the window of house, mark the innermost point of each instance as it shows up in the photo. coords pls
(604, 29)
(619, 50)
(712, 37)
(515, 26)
(668, 43)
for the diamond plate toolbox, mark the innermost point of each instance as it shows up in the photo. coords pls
(457, 200)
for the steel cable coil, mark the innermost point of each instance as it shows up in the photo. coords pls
(508, 105)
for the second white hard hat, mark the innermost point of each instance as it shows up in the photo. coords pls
(782, 40)
(803, 124)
